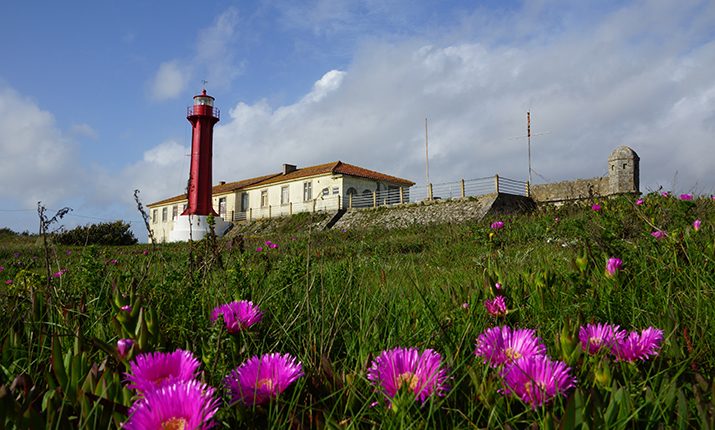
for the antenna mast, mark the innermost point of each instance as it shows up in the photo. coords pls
(427, 151)
(528, 139)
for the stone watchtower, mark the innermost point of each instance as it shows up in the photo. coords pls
(623, 171)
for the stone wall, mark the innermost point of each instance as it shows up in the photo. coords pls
(570, 190)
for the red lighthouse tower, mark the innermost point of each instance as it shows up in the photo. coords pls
(203, 116)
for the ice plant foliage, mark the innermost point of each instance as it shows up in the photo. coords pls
(504, 345)
(262, 378)
(159, 369)
(595, 338)
(496, 307)
(639, 346)
(238, 316)
(536, 380)
(186, 405)
(613, 266)
(422, 374)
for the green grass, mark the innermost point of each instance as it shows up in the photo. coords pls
(336, 300)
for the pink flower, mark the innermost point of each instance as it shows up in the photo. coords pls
(686, 196)
(274, 245)
(268, 242)
(127, 309)
(697, 225)
(262, 378)
(496, 307)
(124, 345)
(613, 266)
(497, 286)
(465, 305)
(237, 316)
(596, 207)
(185, 405)
(665, 194)
(152, 371)
(69, 252)
(497, 225)
(8, 282)
(259, 249)
(145, 252)
(504, 345)
(639, 202)
(421, 373)
(600, 336)
(536, 380)
(639, 347)
(660, 235)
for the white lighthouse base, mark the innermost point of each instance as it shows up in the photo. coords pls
(194, 227)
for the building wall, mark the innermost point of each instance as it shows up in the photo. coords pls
(569, 190)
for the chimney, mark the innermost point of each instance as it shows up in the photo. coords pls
(222, 183)
(288, 168)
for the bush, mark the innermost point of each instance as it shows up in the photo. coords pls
(109, 233)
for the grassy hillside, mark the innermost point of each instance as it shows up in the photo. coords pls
(337, 300)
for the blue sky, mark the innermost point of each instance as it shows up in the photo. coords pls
(93, 96)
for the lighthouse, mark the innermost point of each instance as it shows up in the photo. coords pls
(202, 116)
(192, 222)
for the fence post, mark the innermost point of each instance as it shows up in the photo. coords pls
(269, 211)
(496, 184)
(430, 191)
(350, 196)
(250, 214)
(374, 199)
(402, 196)
(463, 193)
(233, 215)
(315, 200)
(528, 189)
(290, 208)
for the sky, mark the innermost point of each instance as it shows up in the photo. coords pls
(93, 95)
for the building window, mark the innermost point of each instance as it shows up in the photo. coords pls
(244, 202)
(154, 216)
(186, 205)
(326, 191)
(285, 195)
(222, 207)
(307, 191)
(164, 214)
(336, 190)
(264, 198)
(175, 212)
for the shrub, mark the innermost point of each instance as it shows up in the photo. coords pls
(109, 233)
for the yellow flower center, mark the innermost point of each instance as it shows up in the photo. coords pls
(266, 382)
(511, 354)
(174, 424)
(595, 341)
(409, 379)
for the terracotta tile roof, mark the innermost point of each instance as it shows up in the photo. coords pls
(219, 189)
(335, 168)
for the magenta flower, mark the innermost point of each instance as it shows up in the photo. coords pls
(639, 202)
(660, 235)
(422, 374)
(268, 242)
(613, 266)
(536, 380)
(273, 245)
(262, 378)
(496, 307)
(497, 286)
(145, 252)
(697, 225)
(465, 305)
(186, 405)
(600, 336)
(259, 249)
(8, 282)
(639, 346)
(497, 225)
(156, 370)
(124, 345)
(69, 252)
(596, 207)
(128, 309)
(238, 316)
(665, 194)
(504, 345)
(686, 197)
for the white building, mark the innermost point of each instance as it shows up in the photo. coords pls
(326, 187)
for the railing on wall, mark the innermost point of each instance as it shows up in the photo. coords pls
(371, 199)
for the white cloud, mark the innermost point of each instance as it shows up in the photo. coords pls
(213, 56)
(170, 80)
(83, 130)
(39, 163)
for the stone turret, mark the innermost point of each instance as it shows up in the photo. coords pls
(623, 171)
